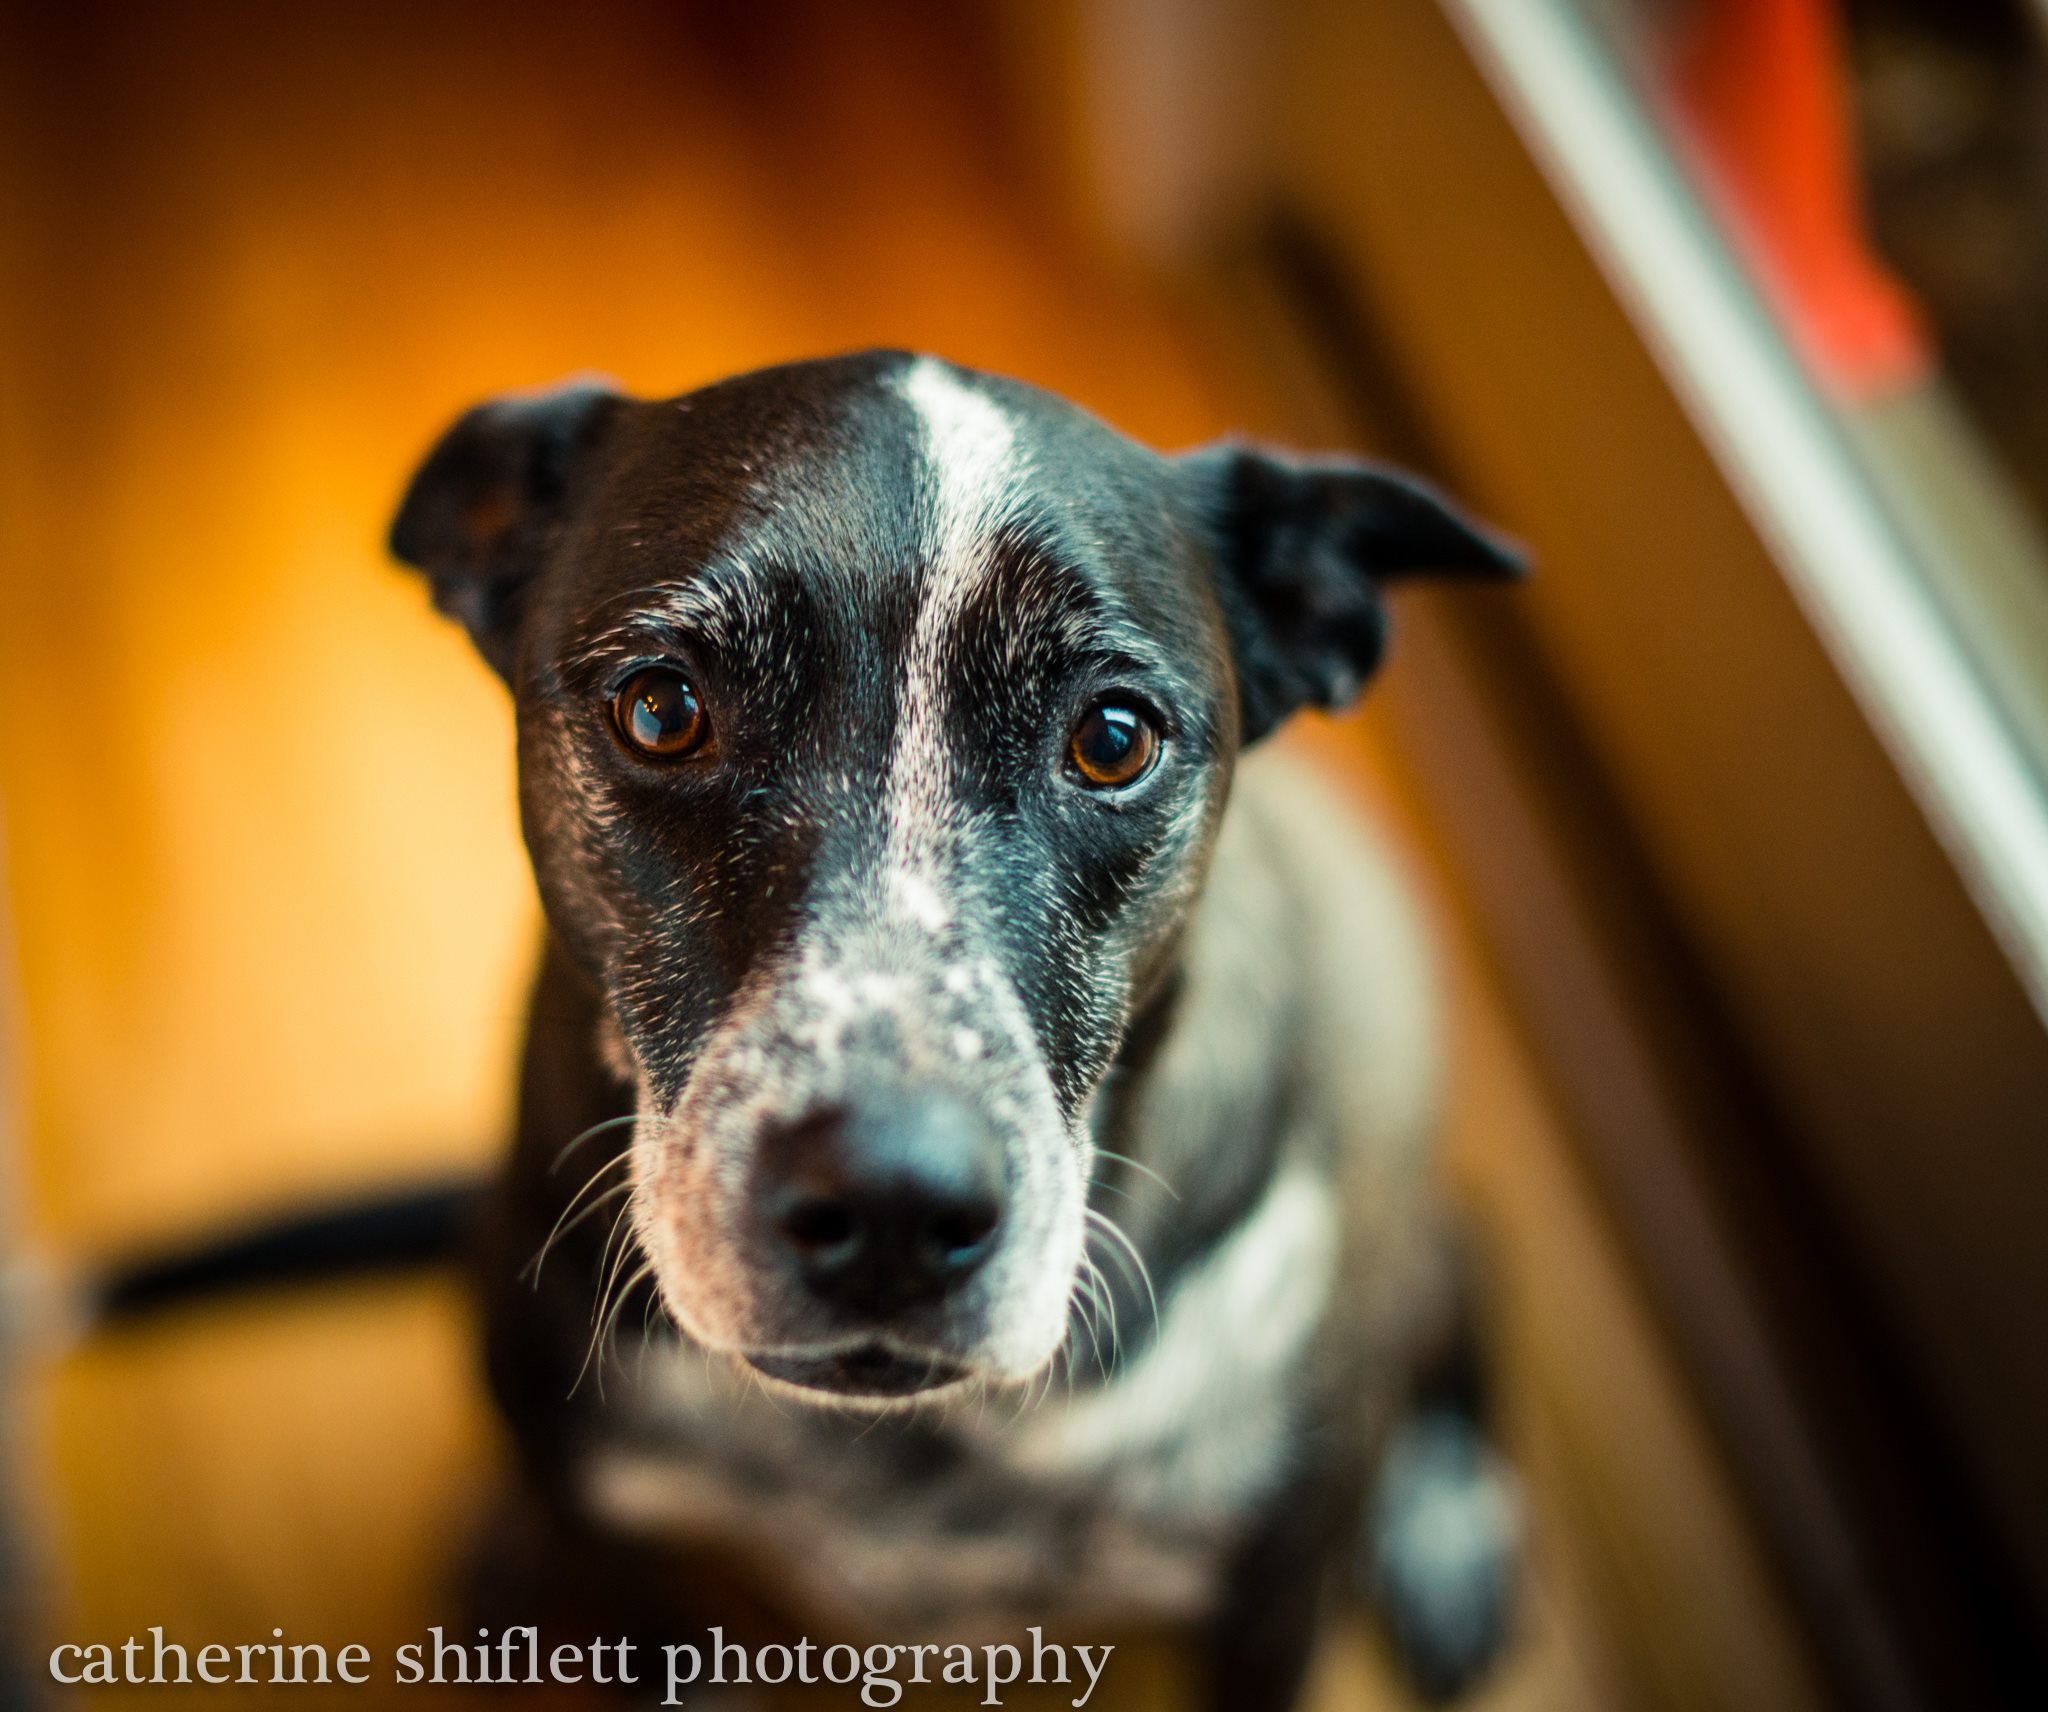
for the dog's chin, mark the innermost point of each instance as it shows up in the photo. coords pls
(869, 1375)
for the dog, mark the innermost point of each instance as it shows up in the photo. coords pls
(997, 1091)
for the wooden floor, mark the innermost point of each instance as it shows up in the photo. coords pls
(269, 915)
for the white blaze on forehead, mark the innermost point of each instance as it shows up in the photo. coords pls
(968, 485)
(969, 449)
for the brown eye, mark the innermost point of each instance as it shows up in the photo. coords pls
(658, 713)
(1113, 745)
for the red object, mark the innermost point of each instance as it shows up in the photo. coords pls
(1758, 91)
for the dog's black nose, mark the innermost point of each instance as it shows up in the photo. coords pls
(884, 1204)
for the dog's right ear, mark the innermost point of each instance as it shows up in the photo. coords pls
(479, 513)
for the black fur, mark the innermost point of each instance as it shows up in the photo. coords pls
(1303, 548)
(880, 880)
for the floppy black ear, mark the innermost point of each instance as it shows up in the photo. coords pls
(1302, 547)
(479, 512)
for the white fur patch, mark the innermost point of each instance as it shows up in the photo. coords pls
(1197, 1422)
(970, 459)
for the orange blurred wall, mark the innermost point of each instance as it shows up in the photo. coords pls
(270, 915)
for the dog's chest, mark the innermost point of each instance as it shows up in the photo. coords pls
(906, 1529)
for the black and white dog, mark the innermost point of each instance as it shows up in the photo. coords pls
(952, 1030)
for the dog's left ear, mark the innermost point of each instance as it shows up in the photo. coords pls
(480, 512)
(1302, 547)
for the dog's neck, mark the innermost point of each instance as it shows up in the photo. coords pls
(1195, 1116)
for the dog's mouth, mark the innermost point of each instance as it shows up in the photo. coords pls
(870, 1372)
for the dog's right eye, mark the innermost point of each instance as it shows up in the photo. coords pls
(658, 713)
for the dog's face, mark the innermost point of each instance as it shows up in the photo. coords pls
(875, 718)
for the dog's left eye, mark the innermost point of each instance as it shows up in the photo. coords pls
(658, 713)
(1114, 744)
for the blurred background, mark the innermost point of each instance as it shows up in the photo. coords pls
(1734, 820)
